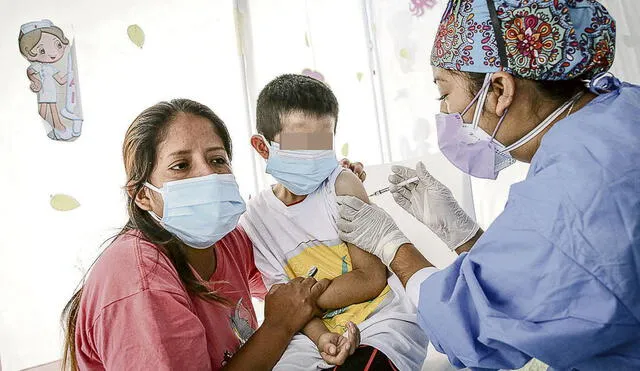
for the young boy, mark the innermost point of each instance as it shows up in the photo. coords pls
(293, 228)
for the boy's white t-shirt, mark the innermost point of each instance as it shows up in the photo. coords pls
(288, 240)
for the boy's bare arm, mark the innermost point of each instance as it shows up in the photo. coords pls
(314, 329)
(368, 277)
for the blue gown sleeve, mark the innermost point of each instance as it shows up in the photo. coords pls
(528, 289)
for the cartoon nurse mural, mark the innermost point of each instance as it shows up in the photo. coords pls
(44, 45)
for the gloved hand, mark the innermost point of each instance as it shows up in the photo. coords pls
(433, 204)
(369, 228)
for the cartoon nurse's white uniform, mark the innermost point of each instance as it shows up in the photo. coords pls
(45, 73)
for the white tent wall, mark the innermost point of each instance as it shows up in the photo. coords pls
(373, 53)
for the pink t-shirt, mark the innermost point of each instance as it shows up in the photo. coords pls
(135, 313)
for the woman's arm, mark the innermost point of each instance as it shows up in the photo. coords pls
(407, 262)
(466, 247)
(288, 308)
(263, 350)
(156, 330)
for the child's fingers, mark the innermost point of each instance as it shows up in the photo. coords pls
(343, 354)
(343, 342)
(355, 332)
(330, 349)
(339, 358)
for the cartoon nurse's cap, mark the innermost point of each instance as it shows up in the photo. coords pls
(32, 26)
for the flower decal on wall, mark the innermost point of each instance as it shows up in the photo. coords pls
(314, 74)
(418, 7)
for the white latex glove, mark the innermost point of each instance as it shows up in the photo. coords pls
(369, 228)
(432, 203)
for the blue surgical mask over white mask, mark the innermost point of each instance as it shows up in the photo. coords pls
(200, 211)
(300, 171)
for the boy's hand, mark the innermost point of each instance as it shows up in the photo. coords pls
(335, 349)
(356, 167)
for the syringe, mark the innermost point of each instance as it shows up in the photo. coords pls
(401, 184)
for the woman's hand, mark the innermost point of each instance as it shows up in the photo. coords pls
(356, 167)
(290, 306)
(335, 348)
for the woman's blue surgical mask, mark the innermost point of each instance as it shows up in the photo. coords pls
(200, 211)
(300, 171)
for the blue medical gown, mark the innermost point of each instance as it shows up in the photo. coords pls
(557, 274)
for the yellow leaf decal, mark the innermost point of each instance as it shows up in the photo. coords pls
(345, 150)
(63, 202)
(404, 53)
(136, 35)
(359, 76)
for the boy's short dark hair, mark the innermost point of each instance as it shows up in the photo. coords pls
(287, 93)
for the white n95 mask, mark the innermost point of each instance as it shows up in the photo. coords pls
(473, 150)
(200, 211)
(469, 147)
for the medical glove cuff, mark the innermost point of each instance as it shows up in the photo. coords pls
(470, 230)
(389, 245)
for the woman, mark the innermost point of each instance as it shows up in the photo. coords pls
(173, 291)
(555, 276)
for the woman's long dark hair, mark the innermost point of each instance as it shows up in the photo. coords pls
(146, 132)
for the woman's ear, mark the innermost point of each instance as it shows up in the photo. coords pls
(141, 198)
(503, 88)
(260, 146)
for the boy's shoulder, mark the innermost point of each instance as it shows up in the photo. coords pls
(341, 182)
(348, 184)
